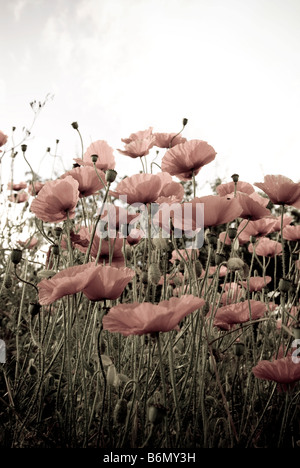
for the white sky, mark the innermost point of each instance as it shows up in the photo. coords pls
(232, 67)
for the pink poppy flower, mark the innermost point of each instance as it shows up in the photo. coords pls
(138, 148)
(252, 206)
(140, 135)
(20, 197)
(69, 281)
(277, 226)
(257, 283)
(29, 243)
(3, 138)
(187, 158)
(233, 293)
(17, 187)
(134, 236)
(228, 189)
(115, 216)
(229, 315)
(281, 190)
(224, 238)
(56, 200)
(168, 140)
(107, 283)
(37, 188)
(292, 233)
(87, 179)
(266, 247)
(171, 192)
(258, 228)
(101, 148)
(139, 188)
(142, 318)
(283, 371)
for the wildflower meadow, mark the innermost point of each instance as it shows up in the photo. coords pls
(139, 315)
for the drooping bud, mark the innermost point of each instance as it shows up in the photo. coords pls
(31, 369)
(154, 274)
(156, 414)
(16, 256)
(120, 411)
(34, 308)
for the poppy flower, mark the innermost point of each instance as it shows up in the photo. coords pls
(228, 189)
(29, 243)
(56, 200)
(281, 190)
(20, 197)
(139, 188)
(283, 371)
(257, 283)
(142, 318)
(266, 247)
(291, 233)
(69, 281)
(187, 254)
(233, 293)
(3, 138)
(258, 228)
(168, 140)
(17, 187)
(277, 226)
(223, 237)
(114, 217)
(138, 148)
(101, 148)
(187, 158)
(88, 181)
(171, 192)
(140, 135)
(252, 207)
(37, 188)
(107, 283)
(229, 315)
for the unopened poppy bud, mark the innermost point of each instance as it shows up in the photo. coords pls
(144, 278)
(75, 125)
(110, 175)
(219, 258)
(111, 375)
(55, 249)
(232, 233)
(57, 231)
(154, 273)
(198, 268)
(211, 238)
(16, 256)
(94, 158)
(184, 122)
(23, 148)
(239, 348)
(8, 282)
(284, 285)
(156, 414)
(205, 308)
(48, 149)
(31, 369)
(128, 253)
(235, 177)
(120, 411)
(34, 308)
(252, 239)
(235, 264)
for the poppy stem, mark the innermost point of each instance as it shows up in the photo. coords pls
(194, 184)
(282, 242)
(163, 382)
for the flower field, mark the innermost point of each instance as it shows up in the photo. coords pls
(137, 314)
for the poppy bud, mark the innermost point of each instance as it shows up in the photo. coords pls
(238, 348)
(8, 282)
(120, 411)
(34, 308)
(252, 239)
(232, 233)
(75, 125)
(211, 238)
(110, 175)
(94, 158)
(219, 258)
(31, 369)
(16, 256)
(198, 268)
(23, 148)
(57, 231)
(144, 278)
(184, 122)
(55, 249)
(235, 264)
(156, 413)
(154, 274)
(48, 149)
(235, 177)
(284, 285)
(128, 253)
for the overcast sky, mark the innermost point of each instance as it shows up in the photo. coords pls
(232, 67)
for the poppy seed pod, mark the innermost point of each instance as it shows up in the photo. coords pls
(75, 125)
(110, 175)
(235, 177)
(184, 122)
(55, 249)
(232, 233)
(154, 274)
(16, 256)
(57, 231)
(23, 148)
(94, 158)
